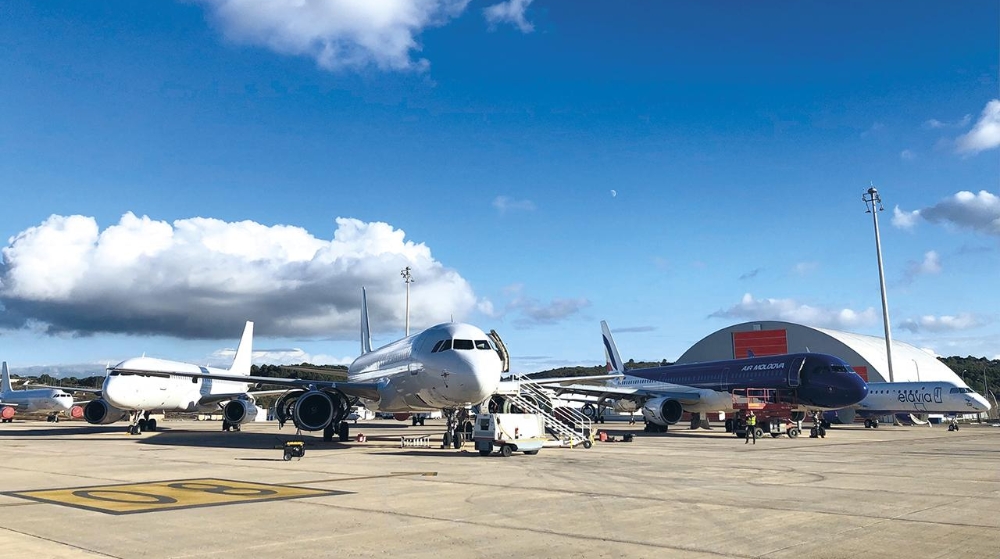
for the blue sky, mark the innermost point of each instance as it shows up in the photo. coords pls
(171, 169)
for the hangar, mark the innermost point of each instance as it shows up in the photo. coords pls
(865, 353)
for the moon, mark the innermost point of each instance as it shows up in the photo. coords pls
(614, 193)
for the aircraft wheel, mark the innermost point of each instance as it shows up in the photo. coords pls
(225, 425)
(506, 450)
(812, 433)
(345, 432)
(456, 439)
(142, 424)
(729, 425)
(134, 430)
(415, 421)
(328, 434)
(822, 432)
(868, 424)
(55, 419)
(874, 424)
(447, 440)
(151, 425)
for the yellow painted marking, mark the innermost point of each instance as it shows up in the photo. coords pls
(168, 495)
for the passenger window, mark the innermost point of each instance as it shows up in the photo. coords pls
(463, 344)
(194, 380)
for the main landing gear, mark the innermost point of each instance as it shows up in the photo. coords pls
(53, 418)
(342, 430)
(140, 421)
(871, 424)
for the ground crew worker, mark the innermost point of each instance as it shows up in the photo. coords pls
(751, 428)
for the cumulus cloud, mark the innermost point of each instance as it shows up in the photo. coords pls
(907, 155)
(905, 220)
(338, 34)
(505, 204)
(202, 278)
(278, 356)
(933, 124)
(512, 12)
(931, 264)
(790, 310)
(979, 212)
(945, 323)
(985, 134)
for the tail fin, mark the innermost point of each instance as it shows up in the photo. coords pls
(614, 360)
(244, 353)
(366, 331)
(5, 380)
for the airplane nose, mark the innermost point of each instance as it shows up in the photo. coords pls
(859, 389)
(117, 393)
(480, 376)
(982, 403)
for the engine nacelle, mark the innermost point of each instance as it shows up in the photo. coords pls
(238, 412)
(844, 417)
(315, 409)
(662, 411)
(100, 412)
(625, 406)
(7, 412)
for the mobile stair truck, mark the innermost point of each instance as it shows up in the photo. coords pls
(509, 433)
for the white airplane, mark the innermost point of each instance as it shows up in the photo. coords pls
(137, 387)
(447, 367)
(887, 398)
(36, 400)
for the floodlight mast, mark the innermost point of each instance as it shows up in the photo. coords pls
(407, 279)
(873, 205)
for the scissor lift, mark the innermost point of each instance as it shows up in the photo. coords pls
(774, 416)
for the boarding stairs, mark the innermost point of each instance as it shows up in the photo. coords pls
(567, 426)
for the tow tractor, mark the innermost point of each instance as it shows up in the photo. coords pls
(774, 417)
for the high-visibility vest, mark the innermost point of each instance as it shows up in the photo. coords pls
(752, 420)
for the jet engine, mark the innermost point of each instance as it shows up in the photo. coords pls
(313, 410)
(662, 411)
(100, 412)
(7, 413)
(238, 412)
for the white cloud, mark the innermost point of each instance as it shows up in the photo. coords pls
(202, 278)
(505, 204)
(279, 356)
(338, 34)
(931, 264)
(905, 220)
(933, 124)
(511, 11)
(907, 155)
(985, 134)
(790, 310)
(532, 311)
(945, 323)
(979, 212)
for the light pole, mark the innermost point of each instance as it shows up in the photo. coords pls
(407, 279)
(873, 205)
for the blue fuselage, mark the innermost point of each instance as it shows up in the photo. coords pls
(808, 379)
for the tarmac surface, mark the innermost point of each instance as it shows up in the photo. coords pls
(76, 490)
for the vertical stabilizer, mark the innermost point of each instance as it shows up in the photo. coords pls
(614, 360)
(366, 331)
(5, 384)
(244, 353)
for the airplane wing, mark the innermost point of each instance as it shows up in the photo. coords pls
(83, 389)
(573, 380)
(366, 390)
(217, 398)
(616, 392)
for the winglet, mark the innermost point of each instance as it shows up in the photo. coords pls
(5, 381)
(244, 353)
(366, 331)
(613, 359)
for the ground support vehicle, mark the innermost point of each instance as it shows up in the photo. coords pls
(508, 433)
(774, 417)
(293, 449)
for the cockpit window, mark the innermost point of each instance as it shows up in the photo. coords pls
(437, 346)
(445, 345)
(960, 390)
(841, 369)
(463, 344)
(483, 344)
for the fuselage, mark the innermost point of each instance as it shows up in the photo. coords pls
(445, 366)
(145, 383)
(921, 397)
(38, 400)
(811, 380)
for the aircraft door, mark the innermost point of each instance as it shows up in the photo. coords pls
(795, 371)
(937, 395)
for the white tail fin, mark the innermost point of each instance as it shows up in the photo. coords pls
(5, 380)
(614, 360)
(244, 353)
(366, 331)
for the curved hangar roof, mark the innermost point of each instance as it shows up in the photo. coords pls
(865, 353)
